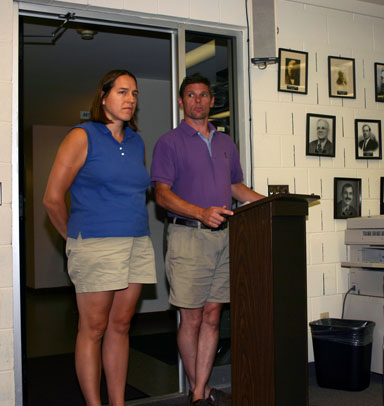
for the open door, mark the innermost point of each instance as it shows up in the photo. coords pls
(62, 61)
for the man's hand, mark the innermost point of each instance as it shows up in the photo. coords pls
(213, 216)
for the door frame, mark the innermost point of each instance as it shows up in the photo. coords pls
(178, 69)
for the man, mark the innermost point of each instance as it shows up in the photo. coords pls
(344, 206)
(368, 144)
(196, 172)
(321, 146)
(380, 85)
(292, 72)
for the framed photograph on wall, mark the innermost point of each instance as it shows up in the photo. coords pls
(381, 195)
(293, 71)
(368, 139)
(341, 77)
(321, 135)
(379, 82)
(347, 198)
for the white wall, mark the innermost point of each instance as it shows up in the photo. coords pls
(280, 128)
(6, 290)
(320, 30)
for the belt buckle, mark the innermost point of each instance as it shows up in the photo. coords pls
(222, 226)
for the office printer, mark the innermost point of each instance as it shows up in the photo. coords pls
(364, 238)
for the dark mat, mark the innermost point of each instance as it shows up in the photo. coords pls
(161, 346)
(52, 381)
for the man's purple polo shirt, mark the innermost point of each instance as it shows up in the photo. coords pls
(181, 159)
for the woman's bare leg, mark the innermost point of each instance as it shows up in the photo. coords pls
(115, 349)
(94, 309)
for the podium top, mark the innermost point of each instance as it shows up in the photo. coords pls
(279, 197)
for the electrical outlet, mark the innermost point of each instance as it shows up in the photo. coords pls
(324, 315)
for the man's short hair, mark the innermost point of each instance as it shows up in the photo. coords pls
(325, 121)
(347, 185)
(195, 78)
(366, 125)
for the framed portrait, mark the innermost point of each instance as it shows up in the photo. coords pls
(321, 135)
(341, 77)
(379, 82)
(293, 71)
(347, 198)
(381, 195)
(368, 139)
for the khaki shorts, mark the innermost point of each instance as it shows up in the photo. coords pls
(197, 266)
(101, 264)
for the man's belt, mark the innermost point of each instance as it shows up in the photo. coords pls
(196, 224)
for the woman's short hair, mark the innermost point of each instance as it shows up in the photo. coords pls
(105, 85)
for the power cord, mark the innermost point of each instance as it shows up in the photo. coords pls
(352, 289)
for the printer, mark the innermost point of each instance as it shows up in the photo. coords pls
(364, 238)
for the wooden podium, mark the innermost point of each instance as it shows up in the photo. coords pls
(267, 243)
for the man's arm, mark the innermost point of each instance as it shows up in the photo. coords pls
(243, 193)
(212, 216)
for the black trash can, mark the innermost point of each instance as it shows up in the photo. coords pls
(342, 350)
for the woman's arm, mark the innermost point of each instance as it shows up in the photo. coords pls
(69, 160)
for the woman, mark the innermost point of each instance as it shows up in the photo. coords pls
(109, 250)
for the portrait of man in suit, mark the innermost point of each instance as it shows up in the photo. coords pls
(320, 137)
(346, 206)
(368, 143)
(292, 72)
(379, 82)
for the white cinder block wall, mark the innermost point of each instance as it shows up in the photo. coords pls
(6, 291)
(355, 31)
(350, 28)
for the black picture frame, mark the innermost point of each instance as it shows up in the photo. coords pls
(347, 198)
(379, 82)
(320, 135)
(341, 77)
(293, 71)
(368, 139)
(381, 195)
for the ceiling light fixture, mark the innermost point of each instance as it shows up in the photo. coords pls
(200, 54)
(86, 34)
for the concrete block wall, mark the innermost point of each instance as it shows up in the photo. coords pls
(280, 131)
(351, 29)
(6, 279)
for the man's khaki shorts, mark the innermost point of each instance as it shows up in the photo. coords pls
(197, 266)
(101, 264)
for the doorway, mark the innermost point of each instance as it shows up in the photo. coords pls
(62, 61)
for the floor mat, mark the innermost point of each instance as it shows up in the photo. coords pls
(161, 346)
(52, 381)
